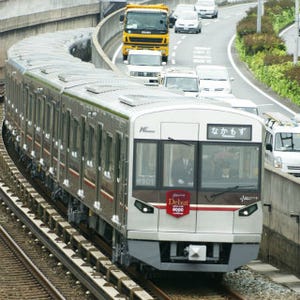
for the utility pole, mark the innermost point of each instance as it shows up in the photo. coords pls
(296, 31)
(101, 8)
(259, 14)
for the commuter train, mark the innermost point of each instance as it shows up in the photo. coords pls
(174, 183)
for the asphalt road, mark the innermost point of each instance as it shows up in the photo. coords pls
(215, 45)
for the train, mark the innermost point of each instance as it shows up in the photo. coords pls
(174, 183)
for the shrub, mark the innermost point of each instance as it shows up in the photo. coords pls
(293, 74)
(265, 52)
(271, 59)
(276, 7)
(262, 43)
(248, 26)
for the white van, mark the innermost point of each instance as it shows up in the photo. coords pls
(214, 78)
(283, 142)
(183, 79)
(145, 65)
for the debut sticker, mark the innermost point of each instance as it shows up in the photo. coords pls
(178, 203)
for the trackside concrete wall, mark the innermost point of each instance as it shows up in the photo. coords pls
(281, 237)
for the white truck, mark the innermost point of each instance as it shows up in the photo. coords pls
(145, 65)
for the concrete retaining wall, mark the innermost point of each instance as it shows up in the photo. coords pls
(281, 237)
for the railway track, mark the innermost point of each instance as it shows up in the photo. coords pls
(20, 276)
(191, 286)
(50, 270)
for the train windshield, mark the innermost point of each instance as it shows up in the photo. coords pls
(225, 166)
(201, 166)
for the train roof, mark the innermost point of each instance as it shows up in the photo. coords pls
(48, 58)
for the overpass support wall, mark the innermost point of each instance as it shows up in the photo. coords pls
(16, 28)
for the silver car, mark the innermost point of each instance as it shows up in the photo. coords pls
(188, 21)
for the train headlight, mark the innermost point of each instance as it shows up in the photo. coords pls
(143, 207)
(247, 211)
(278, 162)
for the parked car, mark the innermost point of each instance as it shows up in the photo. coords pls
(188, 21)
(145, 65)
(207, 8)
(182, 79)
(178, 10)
(214, 78)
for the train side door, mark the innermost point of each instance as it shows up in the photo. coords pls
(119, 192)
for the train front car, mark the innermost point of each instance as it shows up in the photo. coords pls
(173, 182)
(195, 196)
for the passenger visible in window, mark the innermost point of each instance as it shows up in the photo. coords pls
(226, 172)
(183, 171)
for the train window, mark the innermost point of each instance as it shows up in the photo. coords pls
(19, 95)
(178, 164)
(108, 156)
(62, 131)
(118, 155)
(225, 166)
(38, 113)
(90, 146)
(81, 140)
(66, 129)
(125, 170)
(34, 107)
(145, 163)
(14, 90)
(22, 103)
(47, 123)
(55, 122)
(99, 146)
(74, 137)
(30, 109)
(98, 159)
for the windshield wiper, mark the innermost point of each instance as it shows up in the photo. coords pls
(178, 141)
(230, 189)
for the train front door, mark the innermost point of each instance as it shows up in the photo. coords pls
(179, 177)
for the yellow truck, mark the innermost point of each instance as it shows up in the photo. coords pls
(145, 26)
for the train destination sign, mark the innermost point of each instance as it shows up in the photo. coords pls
(229, 132)
(178, 203)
